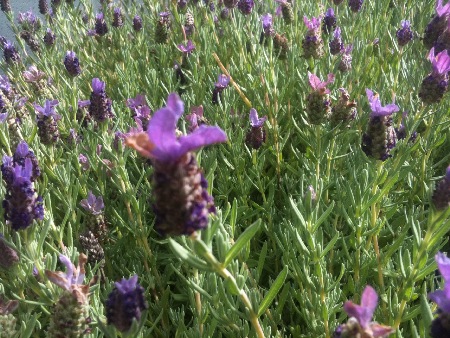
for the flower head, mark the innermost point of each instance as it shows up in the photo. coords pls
(72, 63)
(93, 204)
(266, 20)
(377, 108)
(442, 297)
(161, 143)
(124, 303)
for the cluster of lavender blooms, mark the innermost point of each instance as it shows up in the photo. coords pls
(437, 26)
(435, 85)
(162, 28)
(380, 136)
(256, 136)
(30, 25)
(72, 64)
(94, 236)
(182, 203)
(312, 43)
(219, 86)
(99, 103)
(21, 205)
(10, 53)
(47, 122)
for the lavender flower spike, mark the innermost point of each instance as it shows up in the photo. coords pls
(160, 142)
(318, 102)
(377, 108)
(435, 85)
(359, 323)
(439, 326)
(93, 204)
(256, 136)
(182, 203)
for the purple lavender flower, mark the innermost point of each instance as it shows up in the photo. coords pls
(100, 104)
(72, 64)
(344, 110)
(70, 313)
(186, 49)
(245, 6)
(46, 121)
(125, 303)
(329, 21)
(117, 17)
(404, 34)
(5, 6)
(43, 7)
(10, 53)
(345, 64)
(182, 203)
(94, 205)
(256, 136)
(380, 136)
(189, 24)
(101, 28)
(437, 25)
(33, 74)
(435, 84)
(84, 162)
(29, 21)
(5, 85)
(312, 43)
(219, 86)
(439, 326)
(162, 28)
(182, 4)
(359, 323)
(21, 204)
(22, 153)
(285, 10)
(355, 5)
(196, 118)
(336, 44)
(136, 103)
(441, 195)
(137, 23)
(268, 30)
(230, 3)
(49, 38)
(318, 103)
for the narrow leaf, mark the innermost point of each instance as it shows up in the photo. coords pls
(274, 289)
(243, 239)
(188, 257)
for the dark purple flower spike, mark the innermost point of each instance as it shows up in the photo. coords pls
(46, 121)
(404, 34)
(219, 86)
(435, 85)
(100, 104)
(441, 195)
(182, 203)
(336, 44)
(437, 25)
(72, 64)
(329, 21)
(256, 136)
(312, 43)
(286, 10)
(380, 136)
(125, 303)
(359, 323)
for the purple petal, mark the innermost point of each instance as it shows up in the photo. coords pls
(97, 85)
(254, 120)
(161, 132)
(337, 33)
(266, 20)
(364, 312)
(69, 269)
(441, 63)
(203, 136)
(22, 149)
(442, 10)
(380, 330)
(441, 299)
(3, 117)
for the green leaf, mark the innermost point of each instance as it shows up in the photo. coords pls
(243, 239)
(274, 289)
(187, 256)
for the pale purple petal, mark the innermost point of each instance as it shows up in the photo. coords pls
(266, 20)
(317, 84)
(202, 136)
(329, 12)
(222, 81)
(97, 85)
(69, 269)
(337, 33)
(440, 63)
(312, 24)
(161, 132)
(441, 299)
(83, 103)
(364, 312)
(442, 10)
(255, 121)
(3, 117)
(380, 330)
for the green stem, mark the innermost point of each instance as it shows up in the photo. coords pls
(222, 271)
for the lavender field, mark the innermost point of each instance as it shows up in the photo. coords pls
(225, 168)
